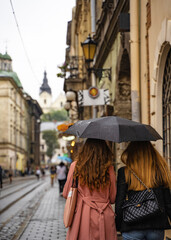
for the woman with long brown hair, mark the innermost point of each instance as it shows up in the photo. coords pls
(142, 160)
(94, 217)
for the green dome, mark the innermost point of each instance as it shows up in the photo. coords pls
(12, 75)
(6, 56)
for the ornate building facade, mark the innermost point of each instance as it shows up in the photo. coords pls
(155, 69)
(16, 121)
(111, 33)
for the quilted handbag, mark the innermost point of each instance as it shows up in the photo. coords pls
(70, 204)
(140, 205)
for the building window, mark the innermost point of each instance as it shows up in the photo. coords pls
(5, 66)
(61, 104)
(167, 110)
(44, 101)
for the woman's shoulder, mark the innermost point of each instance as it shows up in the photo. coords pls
(121, 171)
(72, 166)
(121, 175)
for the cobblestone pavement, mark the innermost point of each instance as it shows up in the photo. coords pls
(47, 222)
(12, 228)
(42, 218)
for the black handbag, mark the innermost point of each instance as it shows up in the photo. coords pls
(140, 205)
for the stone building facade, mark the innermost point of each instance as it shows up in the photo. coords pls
(155, 69)
(112, 54)
(77, 78)
(15, 120)
(133, 42)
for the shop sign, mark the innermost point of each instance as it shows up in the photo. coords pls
(93, 97)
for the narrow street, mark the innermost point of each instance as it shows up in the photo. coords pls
(31, 210)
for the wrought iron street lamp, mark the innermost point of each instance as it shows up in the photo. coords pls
(89, 50)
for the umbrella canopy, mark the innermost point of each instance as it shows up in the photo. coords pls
(114, 129)
(64, 158)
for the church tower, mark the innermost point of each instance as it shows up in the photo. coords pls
(45, 95)
(5, 62)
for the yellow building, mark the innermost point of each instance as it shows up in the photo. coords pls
(133, 41)
(112, 55)
(19, 128)
(76, 76)
(13, 142)
(150, 67)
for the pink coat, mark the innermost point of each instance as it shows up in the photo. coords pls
(94, 217)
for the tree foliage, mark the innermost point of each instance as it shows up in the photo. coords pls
(50, 136)
(59, 115)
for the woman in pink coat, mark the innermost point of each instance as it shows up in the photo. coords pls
(94, 217)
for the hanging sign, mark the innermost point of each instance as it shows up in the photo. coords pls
(93, 97)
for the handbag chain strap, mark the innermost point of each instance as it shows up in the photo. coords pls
(139, 179)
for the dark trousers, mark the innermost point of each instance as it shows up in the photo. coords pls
(1, 182)
(61, 185)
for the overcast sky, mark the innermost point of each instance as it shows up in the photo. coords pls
(43, 25)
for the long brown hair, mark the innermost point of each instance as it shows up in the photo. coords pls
(93, 162)
(148, 164)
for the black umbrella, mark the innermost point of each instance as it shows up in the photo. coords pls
(114, 129)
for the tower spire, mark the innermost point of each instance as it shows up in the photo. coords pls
(45, 86)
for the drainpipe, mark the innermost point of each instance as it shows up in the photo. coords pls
(93, 29)
(148, 24)
(135, 61)
(93, 16)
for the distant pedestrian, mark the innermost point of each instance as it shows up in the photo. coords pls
(61, 175)
(143, 164)
(38, 173)
(10, 174)
(52, 174)
(1, 182)
(43, 173)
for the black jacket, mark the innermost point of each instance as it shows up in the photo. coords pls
(158, 222)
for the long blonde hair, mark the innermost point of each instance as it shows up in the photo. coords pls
(93, 162)
(148, 164)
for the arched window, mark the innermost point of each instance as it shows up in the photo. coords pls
(167, 109)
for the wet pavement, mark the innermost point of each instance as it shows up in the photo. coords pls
(47, 222)
(37, 216)
(40, 218)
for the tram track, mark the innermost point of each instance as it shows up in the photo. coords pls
(19, 220)
(17, 190)
(17, 198)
